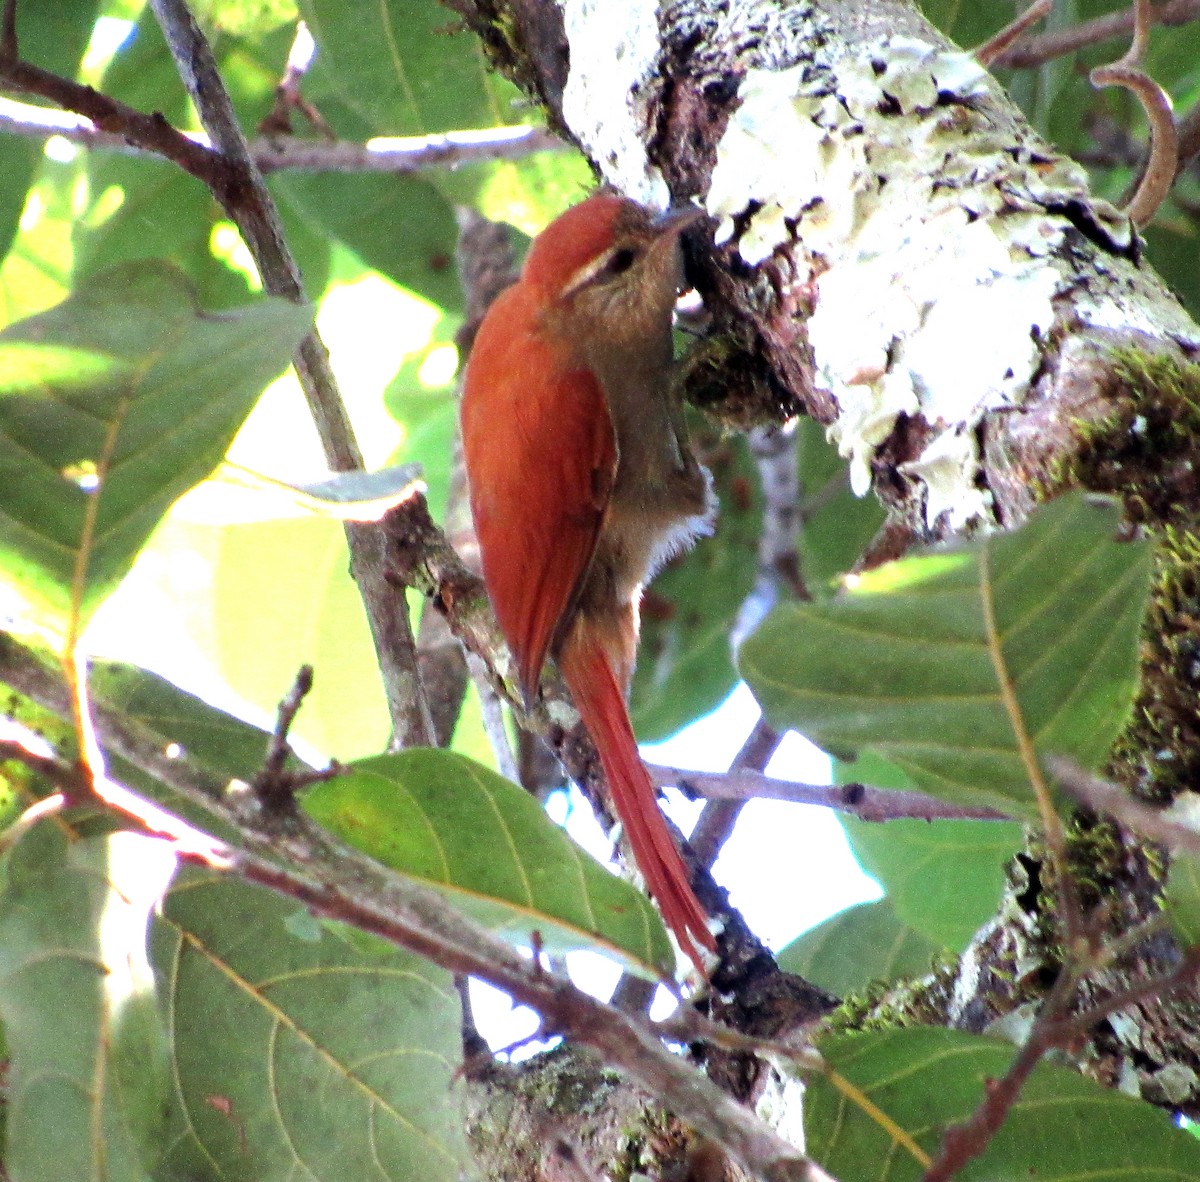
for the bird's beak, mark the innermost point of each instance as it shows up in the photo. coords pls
(674, 221)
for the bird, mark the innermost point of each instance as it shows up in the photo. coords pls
(582, 483)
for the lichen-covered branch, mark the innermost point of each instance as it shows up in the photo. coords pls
(895, 250)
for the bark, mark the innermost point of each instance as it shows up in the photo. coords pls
(895, 252)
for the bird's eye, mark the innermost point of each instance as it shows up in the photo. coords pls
(621, 260)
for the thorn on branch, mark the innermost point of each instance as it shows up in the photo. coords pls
(275, 787)
(994, 47)
(1159, 173)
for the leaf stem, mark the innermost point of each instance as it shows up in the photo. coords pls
(861, 1100)
(1052, 827)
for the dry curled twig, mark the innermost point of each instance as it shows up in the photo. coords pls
(1160, 170)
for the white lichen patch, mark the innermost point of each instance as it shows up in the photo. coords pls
(948, 466)
(781, 1105)
(614, 48)
(928, 242)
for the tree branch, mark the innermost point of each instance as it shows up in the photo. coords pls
(994, 47)
(258, 220)
(118, 122)
(859, 800)
(338, 883)
(393, 154)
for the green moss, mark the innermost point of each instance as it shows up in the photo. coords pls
(651, 1149)
(1096, 857)
(1147, 448)
(1159, 752)
(722, 377)
(892, 1007)
(1147, 451)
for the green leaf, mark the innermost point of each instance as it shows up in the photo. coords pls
(224, 744)
(1183, 897)
(1063, 1127)
(301, 1049)
(944, 878)
(132, 391)
(862, 944)
(247, 17)
(19, 160)
(282, 597)
(903, 665)
(53, 36)
(441, 818)
(119, 400)
(836, 526)
(150, 209)
(404, 69)
(399, 225)
(1169, 247)
(87, 1073)
(685, 665)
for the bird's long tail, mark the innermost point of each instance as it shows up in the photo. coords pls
(600, 700)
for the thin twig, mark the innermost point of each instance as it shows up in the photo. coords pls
(1162, 165)
(279, 750)
(119, 121)
(392, 154)
(275, 785)
(278, 121)
(721, 813)
(1106, 797)
(965, 1142)
(258, 220)
(987, 53)
(1052, 1028)
(860, 800)
(1078, 1025)
(1037, 51)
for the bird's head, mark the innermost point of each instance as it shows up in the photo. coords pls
(611, 267)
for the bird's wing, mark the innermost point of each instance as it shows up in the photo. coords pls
(541, 456)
